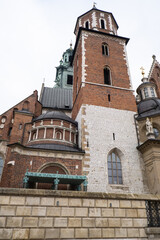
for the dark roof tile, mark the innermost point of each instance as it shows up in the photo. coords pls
(57, 98)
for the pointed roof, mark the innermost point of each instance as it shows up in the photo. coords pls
(154, 64)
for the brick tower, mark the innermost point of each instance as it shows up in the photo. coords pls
(104, 106)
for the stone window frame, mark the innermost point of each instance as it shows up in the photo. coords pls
(114, 166)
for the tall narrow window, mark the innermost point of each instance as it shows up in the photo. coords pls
(102, 24)
(146, 92)
(114, 169)
(9, 131)
(152, 92)
(109, 97)
(87, 25)
(105, 49)
(107, 76)
(1, 166)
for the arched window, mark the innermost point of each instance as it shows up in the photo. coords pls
(105, 49)
(9, 131)
(34, 136)
(107, 76)
(1, 166)
(59, 135)
(146, 92)
(87, 24)
(152, 92)
(114, 169)
(102, 24)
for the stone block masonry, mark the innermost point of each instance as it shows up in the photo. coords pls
(47, 214)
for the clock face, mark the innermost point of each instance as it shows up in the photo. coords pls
(3, 120)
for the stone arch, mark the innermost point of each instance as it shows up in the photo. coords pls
(118, 151)
(53, 168)
(53, 165)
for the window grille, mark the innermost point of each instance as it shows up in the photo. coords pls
(153, 213)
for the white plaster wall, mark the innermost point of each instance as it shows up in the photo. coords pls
(101, 123)
(94, 21)
(84, 74)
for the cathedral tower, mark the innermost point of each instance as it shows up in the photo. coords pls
(104, 105)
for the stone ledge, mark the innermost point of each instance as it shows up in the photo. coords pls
(153, 231)
(75, 194)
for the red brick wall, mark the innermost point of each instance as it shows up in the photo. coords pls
(17, 133)
(95, 63)
(33, 106)
(13, 175)
(88, 17)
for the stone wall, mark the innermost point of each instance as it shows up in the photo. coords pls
(46, 214)
(97, 125)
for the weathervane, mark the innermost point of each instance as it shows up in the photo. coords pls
(142, 71)
(94, 4)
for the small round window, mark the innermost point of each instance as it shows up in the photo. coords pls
(156, 132)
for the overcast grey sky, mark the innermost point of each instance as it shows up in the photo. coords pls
(35, 33)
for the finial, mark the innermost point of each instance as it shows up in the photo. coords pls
(71, 45)
(142, 71)
(154, 57)
(94, 4)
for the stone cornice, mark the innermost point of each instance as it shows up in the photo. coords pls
(147, 144)
(16, 147)
(76, 194)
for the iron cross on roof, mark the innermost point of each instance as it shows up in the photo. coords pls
(142, 71)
